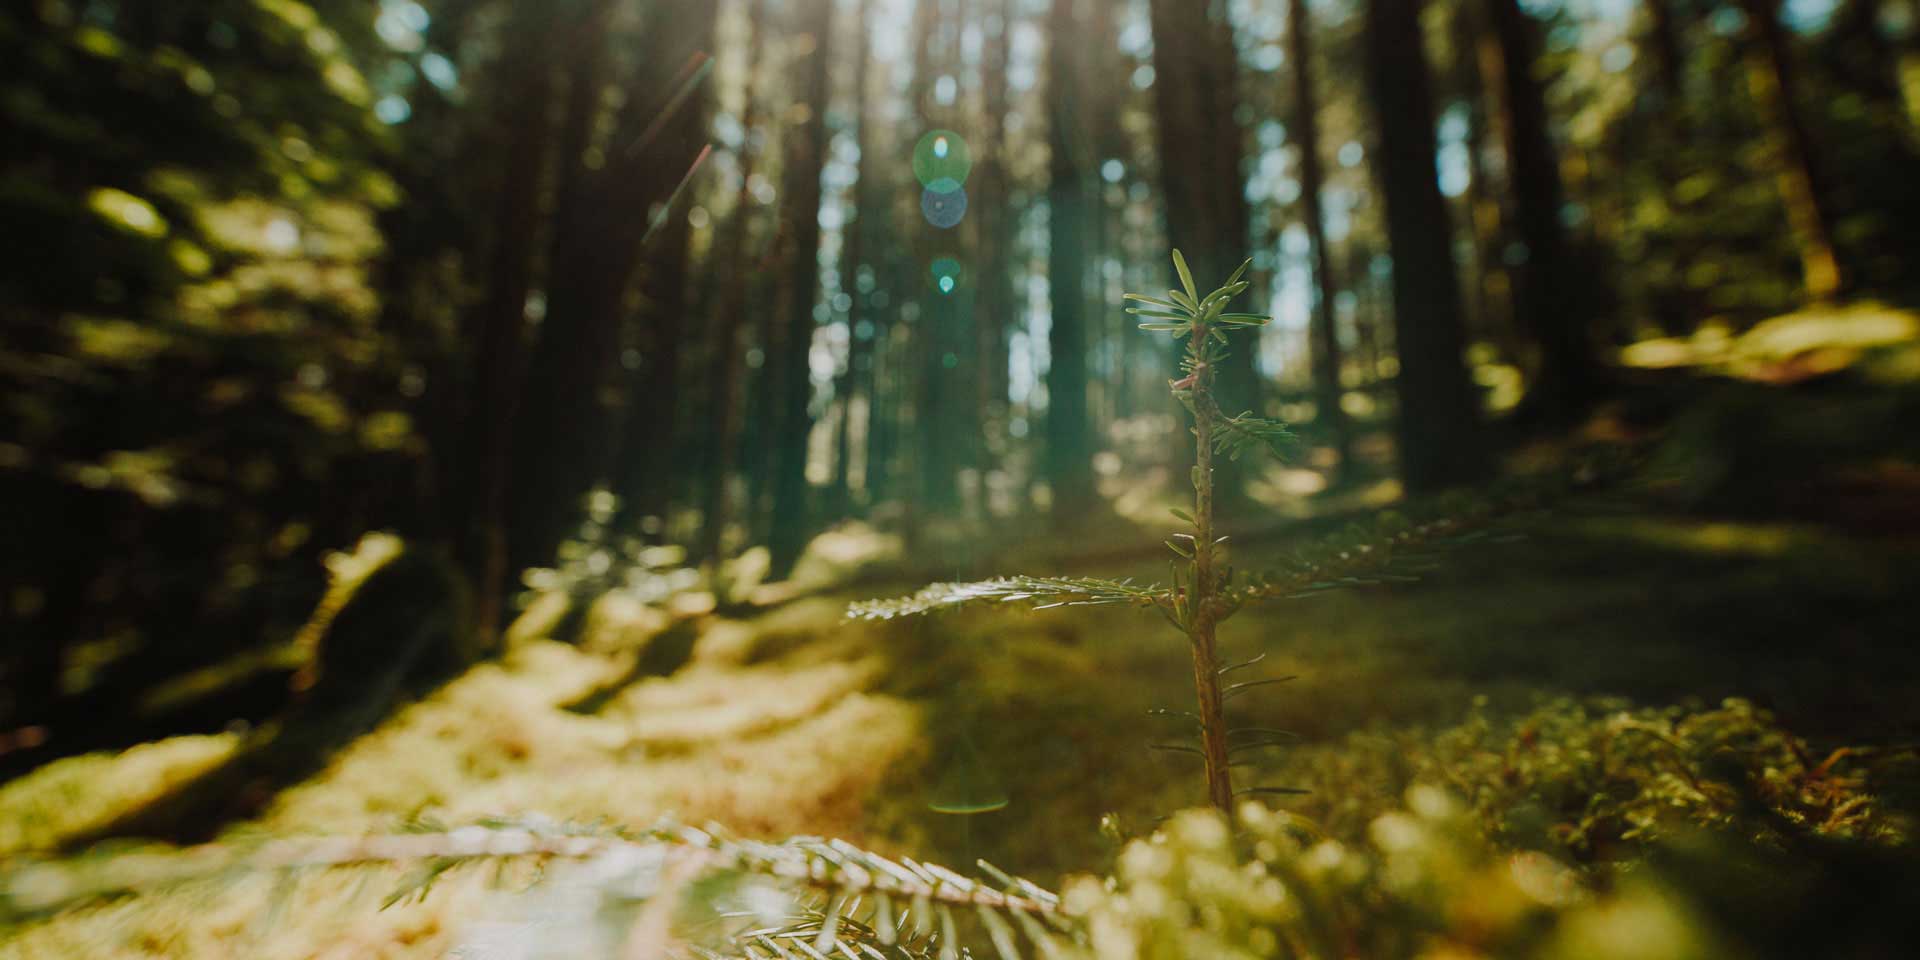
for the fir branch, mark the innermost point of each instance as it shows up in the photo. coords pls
(1382, 552)
(1234, 436)
(1040, 592)
(859, 891)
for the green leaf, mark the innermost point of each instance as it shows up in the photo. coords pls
(1185, 302)
(1182, 514)
(1225, 293)
(1244, 319)
(1166, 327)
(1237, 274)
(1163, 314)
(1137, 298)
(1186, 276)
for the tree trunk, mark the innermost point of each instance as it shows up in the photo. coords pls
(1324, 334)
(574, 394)
(852, 258)
(1195, 95)
(993, 214)
(805, 156)
(730, 253)
(1438, 429)
(1551, 300)
(1774, 81)
(499, 321)
(1069, 443)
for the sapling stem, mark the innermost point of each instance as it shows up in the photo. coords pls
(1204, 607)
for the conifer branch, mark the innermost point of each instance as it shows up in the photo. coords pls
(1040, 592)
(866, 887)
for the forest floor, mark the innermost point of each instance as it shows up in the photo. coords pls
(1782, 586)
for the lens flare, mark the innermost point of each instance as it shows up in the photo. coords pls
(946, 274)
(941, 161)
(944, 210)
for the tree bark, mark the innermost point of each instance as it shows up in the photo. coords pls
(1551, 299)
(1196, 81)
(500, 319)
(731, 253)
(1774, 82)
(1438, 423)
(993, 213)
(574, 386)
(806, 154)
(1069, 446)
(852, 258)
(1324, 334)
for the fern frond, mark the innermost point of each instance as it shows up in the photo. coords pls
(1040, 592)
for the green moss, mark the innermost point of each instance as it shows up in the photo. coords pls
(70, 798)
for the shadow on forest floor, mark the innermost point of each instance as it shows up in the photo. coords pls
(792, 720)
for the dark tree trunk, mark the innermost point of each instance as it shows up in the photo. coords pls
(724, 374)
(1439, 430)
(1774, 81)
(1069, 442)
(574, 384)
(1195, 96)
(806, 154)
(1552, 300)
(1324, 334)
(1490, 285)
(993, 212)
(499, 322)
(852, 258)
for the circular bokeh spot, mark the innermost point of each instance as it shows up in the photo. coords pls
(944, 210)
(941, 161)
(946, 274)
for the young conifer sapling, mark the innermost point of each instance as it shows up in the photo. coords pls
(1200, 598)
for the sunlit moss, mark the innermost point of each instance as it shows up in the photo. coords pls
(68, 798)
(115, 341)
(128, 212)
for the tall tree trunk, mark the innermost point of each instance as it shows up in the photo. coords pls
(500, 319)
(730, 253)
(1439, 430)
(574, 396)
(805, 156)
(1069, 443)
(1476, 61)
(1774, 81)
(1195, 95)
(1325, 335)
(1671, 305)
(938, 453)
(993, 214)
(1552, 299)
(852, 258)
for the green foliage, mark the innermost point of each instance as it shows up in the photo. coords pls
(811, 895)
(1598, 781)
(199, 402)
(1421, 886)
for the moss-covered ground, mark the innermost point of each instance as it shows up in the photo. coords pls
(1483, 677)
